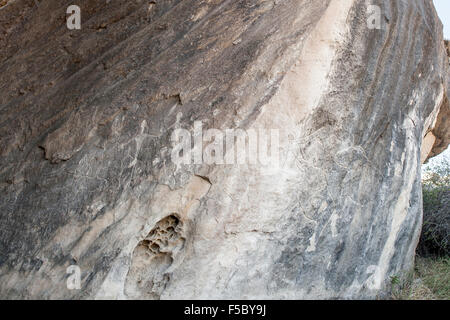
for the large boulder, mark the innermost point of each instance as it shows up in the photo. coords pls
(90, 120)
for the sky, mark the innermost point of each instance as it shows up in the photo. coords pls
(443, 10)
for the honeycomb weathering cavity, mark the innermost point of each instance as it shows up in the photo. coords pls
(152, 258)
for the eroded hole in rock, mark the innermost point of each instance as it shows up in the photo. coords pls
(152, 257)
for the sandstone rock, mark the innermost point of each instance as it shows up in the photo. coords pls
(438, 137)
(87, 116)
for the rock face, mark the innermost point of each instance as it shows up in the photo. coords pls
(88, 177)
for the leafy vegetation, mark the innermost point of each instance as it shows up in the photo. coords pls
(435, 237)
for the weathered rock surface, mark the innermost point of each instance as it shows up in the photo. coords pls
(86, 176)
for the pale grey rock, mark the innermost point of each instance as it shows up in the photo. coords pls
(86, 175)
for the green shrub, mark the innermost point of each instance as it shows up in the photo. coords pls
(435, 237)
